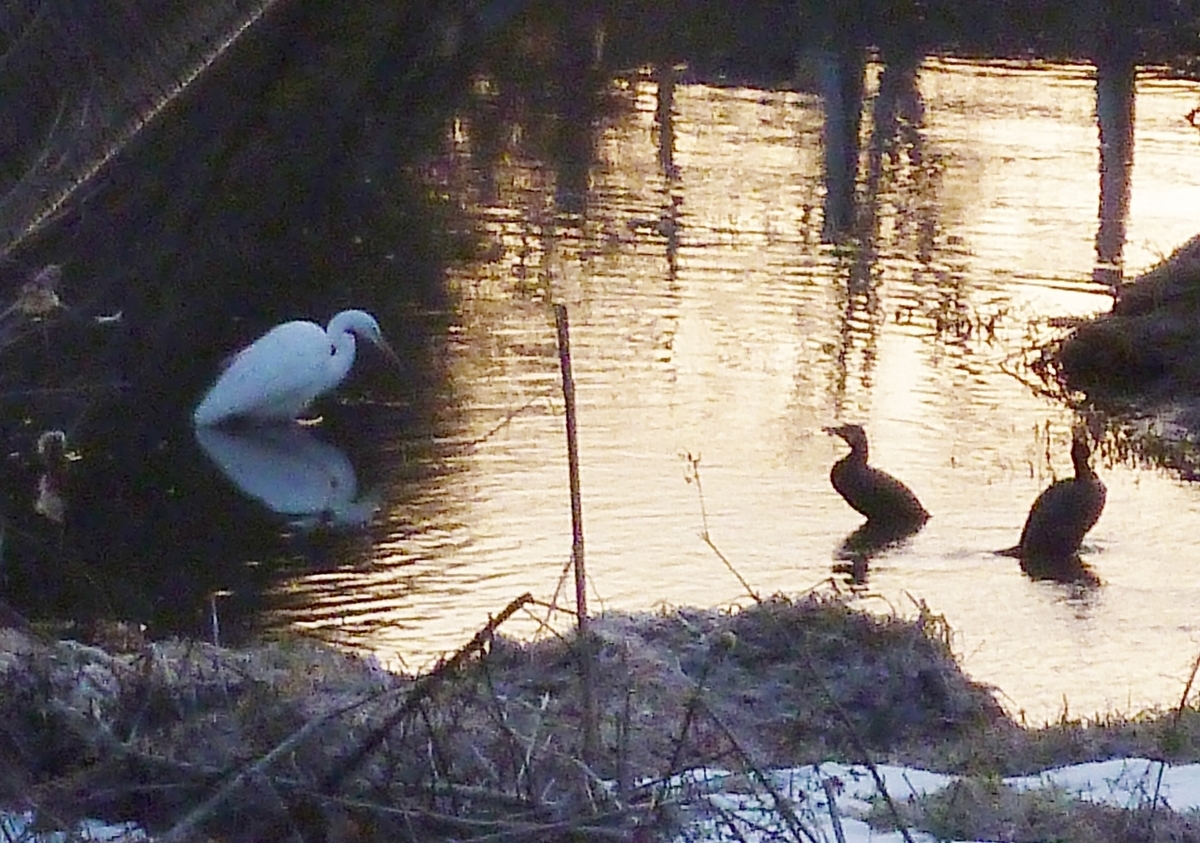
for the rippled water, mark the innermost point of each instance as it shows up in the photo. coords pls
(710, 323)
(708, 320)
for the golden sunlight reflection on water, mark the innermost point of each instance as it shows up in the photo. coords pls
(709, 320)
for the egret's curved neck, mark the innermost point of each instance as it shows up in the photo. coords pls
(341, 356)
(342, 331)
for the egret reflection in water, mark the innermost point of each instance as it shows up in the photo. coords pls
(288, 470)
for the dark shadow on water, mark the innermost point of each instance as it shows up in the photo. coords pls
(153, 523)
(242, 208)
(1073, 571)
(1070, 571)
(870, 540)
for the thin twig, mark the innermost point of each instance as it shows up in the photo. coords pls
(750, 591)
(835, 816)
(420, 690)
(568, 388)
(184, 829)
(553, 606)
(498, 830)
(499, 715)
(543, 624)
(693, 476)
(624, 730)
(1175, 722)
(1162, 768)
(782, 804)
(696, 704)
(857, 740)
(504, 422)
(501, 800)
(689, 715)
(1187, 690)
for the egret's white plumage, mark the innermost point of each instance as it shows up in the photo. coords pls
(278, 375)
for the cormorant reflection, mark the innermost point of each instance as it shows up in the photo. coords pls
(871, 539)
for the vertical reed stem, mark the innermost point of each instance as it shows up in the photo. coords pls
(568, 386)
(585, 643)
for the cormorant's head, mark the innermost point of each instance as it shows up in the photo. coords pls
(1080, 453)
(854, 435)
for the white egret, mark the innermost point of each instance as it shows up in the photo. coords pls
(278, 375)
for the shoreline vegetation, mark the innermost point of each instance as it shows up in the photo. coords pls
(1139, 364)
(1146, 346)
(292, 738)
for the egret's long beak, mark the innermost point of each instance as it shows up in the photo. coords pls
(389, 352)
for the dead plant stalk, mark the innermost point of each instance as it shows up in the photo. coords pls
(693, 476)
(586, 654)
(419, 692)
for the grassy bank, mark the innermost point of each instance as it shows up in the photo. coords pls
(292, 737)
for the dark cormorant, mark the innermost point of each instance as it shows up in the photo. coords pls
(885, 501)
(1062, 514)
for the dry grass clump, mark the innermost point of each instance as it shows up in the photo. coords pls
(1174, 281)
(294, 733)
(796, 681)
(1006, 750)
(989, 809)
(189, 739)
(141, 733)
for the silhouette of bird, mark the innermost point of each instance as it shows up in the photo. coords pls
(278, 375)
(884, 500)
(1062, 514)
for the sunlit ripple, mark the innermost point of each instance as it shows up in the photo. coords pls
(709, 320)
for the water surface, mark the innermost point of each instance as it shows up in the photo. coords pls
(709, 321)
(711, 324)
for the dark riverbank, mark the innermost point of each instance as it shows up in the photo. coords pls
(131, 730)
(1144, 355)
